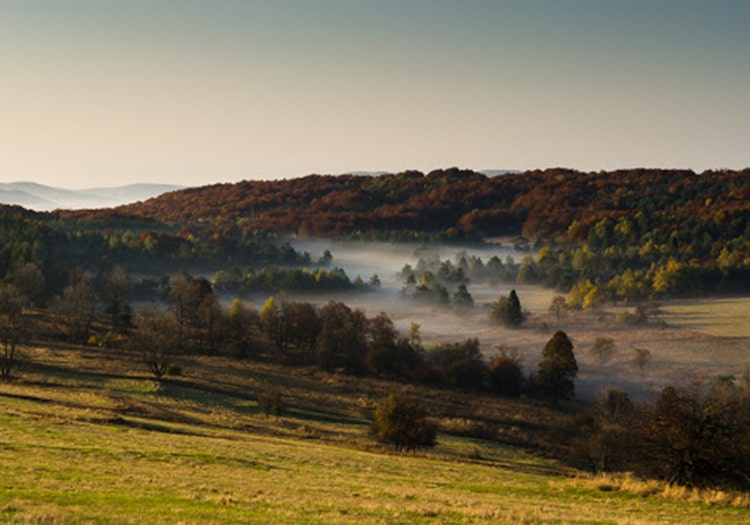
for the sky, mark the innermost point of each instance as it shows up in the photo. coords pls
(111, 92)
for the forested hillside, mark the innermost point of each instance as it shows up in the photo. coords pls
(465, 203)
(620, 235)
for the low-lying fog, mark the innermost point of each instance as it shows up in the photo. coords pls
(437, 324)
(674, 353)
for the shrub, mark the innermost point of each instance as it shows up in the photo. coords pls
(696, 435)
(507, 375)
(271, 402)
(403, 423)
(603, 349)
(460, 365)
(605, 430)
(507, 311)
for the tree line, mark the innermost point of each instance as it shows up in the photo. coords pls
(695, 434)
(193, 319)
(63, 242)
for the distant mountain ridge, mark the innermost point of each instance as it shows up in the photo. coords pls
(40, 197)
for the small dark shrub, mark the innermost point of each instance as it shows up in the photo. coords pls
(507, 375)
(403, 423)
(271, 402)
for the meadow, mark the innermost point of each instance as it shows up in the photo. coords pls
(86, 437)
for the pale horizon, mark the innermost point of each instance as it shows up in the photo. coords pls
(103, 94)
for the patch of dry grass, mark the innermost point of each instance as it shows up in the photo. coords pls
(630, 484)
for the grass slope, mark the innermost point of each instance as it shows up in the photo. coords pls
(86, 439)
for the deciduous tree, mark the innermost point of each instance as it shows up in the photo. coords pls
(31, 282)
(239, 330)
(76, 307)
(506, 374)
(603, 349)
(698, 434)
(341, 342)
(116, 291)
(13, 326)
(156, 339)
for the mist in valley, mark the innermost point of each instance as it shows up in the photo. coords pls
(674, 353)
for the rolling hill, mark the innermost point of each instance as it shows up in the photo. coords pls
(47, 198)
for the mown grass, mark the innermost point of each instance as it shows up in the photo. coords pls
(87, 444)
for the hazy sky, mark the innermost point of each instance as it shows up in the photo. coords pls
(107, 92)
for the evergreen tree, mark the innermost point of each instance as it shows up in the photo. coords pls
(514, 313)
(507, 311)
(462, 299)
(558, 367)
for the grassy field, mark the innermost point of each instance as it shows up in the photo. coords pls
(720, 317)
(86, 438)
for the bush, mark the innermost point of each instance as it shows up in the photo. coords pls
(507, 311)
(605, 441)
(507, 375)
(403, 423)
(696, 435)
(460, 365)
(271, 402)
(603, 349)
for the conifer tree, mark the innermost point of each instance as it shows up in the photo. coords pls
(558, 367)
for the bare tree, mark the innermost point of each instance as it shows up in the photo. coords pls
(13, 327)
(697, 434)
(76, 307)
(31, 282)
(156, 339)
(186, 294)
(642, 358)
(603, 349)
(209, 317)
(557, 306)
